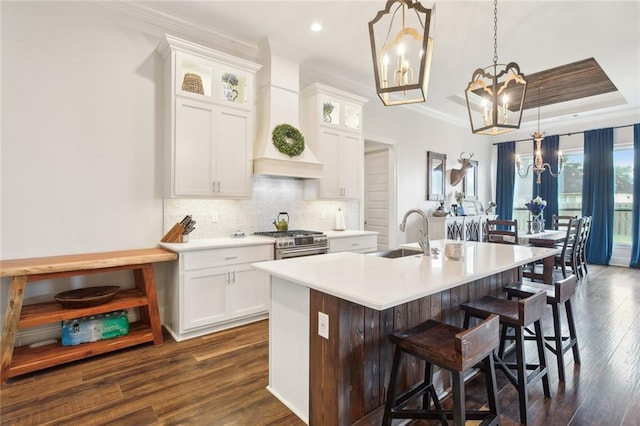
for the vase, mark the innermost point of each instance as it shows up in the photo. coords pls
(536, 224)
(229, 92)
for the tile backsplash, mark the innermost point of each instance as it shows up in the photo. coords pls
(270, 196)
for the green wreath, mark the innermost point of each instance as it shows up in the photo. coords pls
(281, 135)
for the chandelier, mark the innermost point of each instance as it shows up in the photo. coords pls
(495, 94)
(401, 49)
(539, 165)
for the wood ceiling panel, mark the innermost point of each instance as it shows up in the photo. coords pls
(565, 83)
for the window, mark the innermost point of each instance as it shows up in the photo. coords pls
(522, 193)
(623, 193)
(570, 184)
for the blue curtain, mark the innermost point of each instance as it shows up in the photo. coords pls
(505, 180)
(548, 188)
(597, 193)
(635, 216)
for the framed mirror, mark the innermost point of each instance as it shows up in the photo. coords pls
(470, 182)
(436, 168)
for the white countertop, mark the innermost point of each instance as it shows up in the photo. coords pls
(211, 243)
(381, 283)
(348, 233)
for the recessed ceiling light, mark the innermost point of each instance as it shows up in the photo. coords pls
(316, 27)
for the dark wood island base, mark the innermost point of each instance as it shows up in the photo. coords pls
(349, 374)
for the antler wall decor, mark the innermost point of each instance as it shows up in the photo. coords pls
(458, 174)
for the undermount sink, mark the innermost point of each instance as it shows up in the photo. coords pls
(394, 254)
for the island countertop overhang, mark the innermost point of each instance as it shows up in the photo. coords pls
(381, 283)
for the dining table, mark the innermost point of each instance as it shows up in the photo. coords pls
(546, 238)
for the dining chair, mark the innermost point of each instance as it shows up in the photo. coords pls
(581, 257)
(502, 231)
(561, 221)
(569, 254)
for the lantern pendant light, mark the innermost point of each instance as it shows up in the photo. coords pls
(401, 48)
(495, 94)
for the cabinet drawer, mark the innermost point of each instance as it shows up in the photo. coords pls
(226, 256)
(360, 244)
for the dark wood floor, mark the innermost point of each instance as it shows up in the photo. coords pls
(221, 379)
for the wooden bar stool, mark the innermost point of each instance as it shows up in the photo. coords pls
(557, 294)
(451, 348)
(517, 315)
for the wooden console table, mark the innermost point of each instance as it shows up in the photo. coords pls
(22, 360)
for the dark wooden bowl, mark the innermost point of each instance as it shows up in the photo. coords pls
(86, 297)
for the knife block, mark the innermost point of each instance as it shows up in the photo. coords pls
(174, 235)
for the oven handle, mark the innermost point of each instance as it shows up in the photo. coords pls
(288, 253)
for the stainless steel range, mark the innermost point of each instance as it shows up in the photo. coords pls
(297, 243)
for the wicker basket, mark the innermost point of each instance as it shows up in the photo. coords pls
(192, 83)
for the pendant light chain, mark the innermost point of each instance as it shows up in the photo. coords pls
(495, 32)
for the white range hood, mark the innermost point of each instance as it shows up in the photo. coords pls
(278, 88)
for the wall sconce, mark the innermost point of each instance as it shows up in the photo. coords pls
(401, 49)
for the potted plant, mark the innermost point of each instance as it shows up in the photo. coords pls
(536, 207)
(327, 109)
(230, 81)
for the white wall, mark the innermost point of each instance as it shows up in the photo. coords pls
(81, 150)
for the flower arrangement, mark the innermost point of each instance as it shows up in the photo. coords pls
(536, 206)
(459, 197)
(232, 79)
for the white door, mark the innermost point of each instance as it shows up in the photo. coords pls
(377, 198)
(249, 291)
(330, 154)
(349, 165)
(193, 148)
(205, 298)
(232, 156)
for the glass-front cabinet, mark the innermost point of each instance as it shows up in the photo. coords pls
(334, 111)
(197, 77)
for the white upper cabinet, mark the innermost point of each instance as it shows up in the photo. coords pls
(210, 121)
(332, 126)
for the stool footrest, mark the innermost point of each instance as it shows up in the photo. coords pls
(486, 416)
(414, 391)
(536, 373)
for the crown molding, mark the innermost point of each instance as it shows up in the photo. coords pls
(217, 40)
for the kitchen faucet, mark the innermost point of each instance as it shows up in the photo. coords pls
(424, 233)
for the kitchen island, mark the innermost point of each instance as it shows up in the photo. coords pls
(342, 378)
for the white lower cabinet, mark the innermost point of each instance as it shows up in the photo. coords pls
(356, 244)
(215, 289)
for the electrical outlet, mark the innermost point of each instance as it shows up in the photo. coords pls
(214, 217)
(323, 325)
